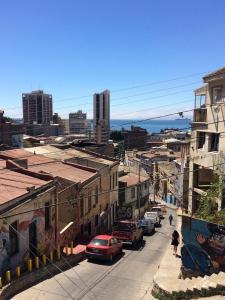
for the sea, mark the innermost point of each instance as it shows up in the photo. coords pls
(152, 126)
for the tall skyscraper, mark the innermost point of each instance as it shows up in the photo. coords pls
(101, 119)
(37, 108)
(78, 123)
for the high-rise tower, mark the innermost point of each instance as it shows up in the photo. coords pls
(101, 119)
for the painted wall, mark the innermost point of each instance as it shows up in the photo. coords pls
(45, 238)
(204, 246)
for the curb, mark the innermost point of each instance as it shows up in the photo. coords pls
(29, 279)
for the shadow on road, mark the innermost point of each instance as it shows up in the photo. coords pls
(105, 262)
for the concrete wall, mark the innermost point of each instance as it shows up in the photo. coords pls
(203, 156)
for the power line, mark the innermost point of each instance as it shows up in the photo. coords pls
(132, 87)
(130, 96)
(107, 191)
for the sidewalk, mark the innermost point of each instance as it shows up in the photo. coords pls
(168, 284)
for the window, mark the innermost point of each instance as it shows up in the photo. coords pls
(214, 142)
(96, 194)
(116, 183)
(110, 182)
(113, 180)
(47, 216)
(146, 185)
(89, 201)
(13, 238)
(81, 206)
(133, 192)
(200, 140)
(217, 94)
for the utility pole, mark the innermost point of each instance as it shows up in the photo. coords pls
(139, 190)
(154, 182)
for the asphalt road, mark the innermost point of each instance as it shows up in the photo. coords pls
(129, 277)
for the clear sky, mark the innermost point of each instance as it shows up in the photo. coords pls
(73, 48)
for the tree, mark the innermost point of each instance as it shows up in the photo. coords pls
(208, 208)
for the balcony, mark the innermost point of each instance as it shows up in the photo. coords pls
(200, 115)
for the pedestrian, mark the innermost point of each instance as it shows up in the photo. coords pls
(170, 219)
(175, 241)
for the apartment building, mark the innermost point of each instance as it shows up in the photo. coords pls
(78, 123)
(135, 138)
(37, 108)
(101, 118)
(207, 151)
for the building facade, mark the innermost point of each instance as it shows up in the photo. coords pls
(135, 138)
(133, 193)
(24, 235)
(11, 134)
(101, 118)
(207, 151)
(37, 108)
(78, 123)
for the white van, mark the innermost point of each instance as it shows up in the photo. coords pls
(158, 210)
(153, 216)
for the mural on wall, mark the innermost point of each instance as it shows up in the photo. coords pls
(204, 246)
(4, 250)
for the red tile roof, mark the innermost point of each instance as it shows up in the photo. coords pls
(13, 184)
(63, 170)
(132, 179)
(2, 163)
(23, 154)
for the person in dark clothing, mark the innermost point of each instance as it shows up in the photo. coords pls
(175, 241)
(170, 219)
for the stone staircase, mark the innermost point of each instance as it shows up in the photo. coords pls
(171, 287)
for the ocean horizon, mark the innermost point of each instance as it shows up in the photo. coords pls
(152, 126)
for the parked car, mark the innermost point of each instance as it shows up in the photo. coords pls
(153, 216)
(158, 210)
(127, 232)
(103, 247)
(147, 225)
(163, 208)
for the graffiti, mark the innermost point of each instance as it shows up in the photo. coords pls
(4, 250)
(204, 246)
(124, 212)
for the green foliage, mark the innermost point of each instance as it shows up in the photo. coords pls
(208, 208)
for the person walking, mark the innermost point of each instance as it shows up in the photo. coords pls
(175, 241)
(170, 219)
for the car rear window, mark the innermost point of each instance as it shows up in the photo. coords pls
(123, 227)
(99, 242)
(155, 209)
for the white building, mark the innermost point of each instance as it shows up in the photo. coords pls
(78, 123)
(101, 118)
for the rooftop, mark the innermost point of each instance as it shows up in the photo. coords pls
(132, 179)
(218, 73)
(13, 184)
(60, 154)
(63, 170)
(32, 159)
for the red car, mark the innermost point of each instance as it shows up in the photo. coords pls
(103, 247)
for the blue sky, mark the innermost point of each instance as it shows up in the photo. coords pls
(73, 48)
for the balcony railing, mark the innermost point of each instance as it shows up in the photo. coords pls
(200, 115)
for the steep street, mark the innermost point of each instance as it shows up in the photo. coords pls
(129, 277)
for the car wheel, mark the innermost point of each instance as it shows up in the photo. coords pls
(111, 258)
